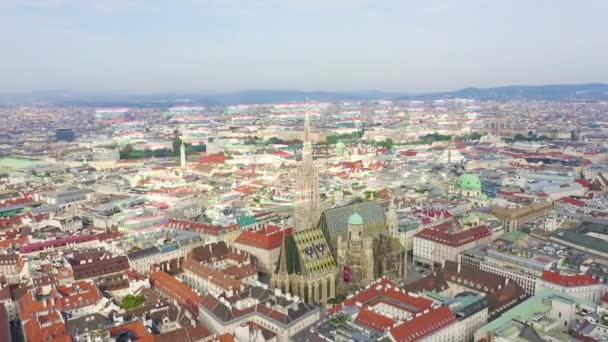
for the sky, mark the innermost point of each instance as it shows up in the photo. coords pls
(154, 46)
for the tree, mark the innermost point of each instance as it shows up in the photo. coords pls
(389, 143)
(126, 151)
(520, 137)
(132, 302)
(274, 141)
(177, 144)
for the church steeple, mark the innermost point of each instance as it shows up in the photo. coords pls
(307, 206)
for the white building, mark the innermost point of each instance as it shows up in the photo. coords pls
(583, 287)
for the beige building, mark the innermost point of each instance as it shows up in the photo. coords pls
(513, 218)
(433, 246)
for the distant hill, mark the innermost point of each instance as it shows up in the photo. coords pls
(574, 92)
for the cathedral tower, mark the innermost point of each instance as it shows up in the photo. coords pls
(307, 206)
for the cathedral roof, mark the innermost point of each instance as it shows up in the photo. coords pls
(336, 219)
(306, 252)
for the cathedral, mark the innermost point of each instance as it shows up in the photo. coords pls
(366, 250)
(306, 265)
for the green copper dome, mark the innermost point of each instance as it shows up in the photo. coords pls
(355, 219)
(469, 182)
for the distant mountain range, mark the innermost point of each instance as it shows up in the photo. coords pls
(573, 92)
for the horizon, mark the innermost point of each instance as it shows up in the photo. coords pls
(228, 46)
(355, 91)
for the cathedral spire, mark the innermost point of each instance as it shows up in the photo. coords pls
(307, 206)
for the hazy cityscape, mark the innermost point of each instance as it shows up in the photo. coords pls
(152, 207)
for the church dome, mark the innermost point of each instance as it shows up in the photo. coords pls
(469, 182)
(355, 219)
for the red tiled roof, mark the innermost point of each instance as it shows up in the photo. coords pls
(568, 280)
(572, 201)
(424, 325)
(268, 238)
(48, 328)
(385, 288)
(373, 320)
(281, 153)
(454, 239)
(136, 327)
(176, 289)
(38, 246)
(64, 298)
(218, 158)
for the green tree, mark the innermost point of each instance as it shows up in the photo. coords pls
(132, 302)
(177, 144)
(520, 137)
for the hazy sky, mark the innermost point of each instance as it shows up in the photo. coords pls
(146, 46)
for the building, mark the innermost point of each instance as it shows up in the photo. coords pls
(512, 217)
(105, 269)
(383, 311)
(75, 300)
(588, 237)
(548, 315)
(282, 314)
(515, 256)
(171, 288)
(263, 242)
(455, 279)
(582, 287)
(67, 197)
(445, 241)
(216, 268)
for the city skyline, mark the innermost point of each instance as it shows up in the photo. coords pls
(224, 46)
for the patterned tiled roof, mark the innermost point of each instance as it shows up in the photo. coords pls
(334, 221)
(306, 252)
